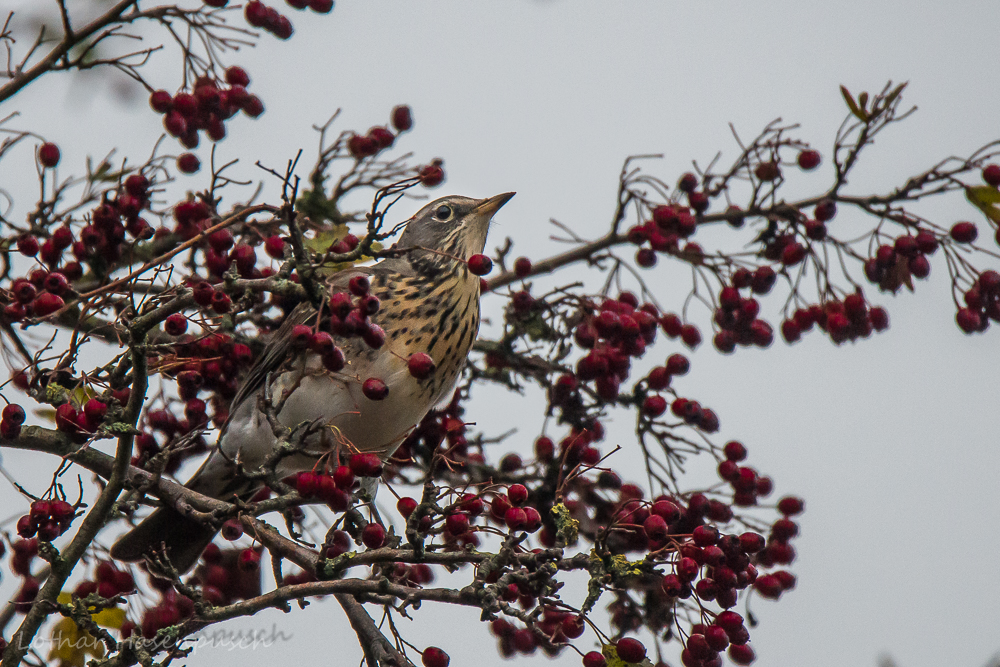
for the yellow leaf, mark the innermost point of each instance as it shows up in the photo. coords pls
(71, 646)
(985, 198)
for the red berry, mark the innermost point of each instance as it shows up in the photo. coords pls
(630, 649)
(435, 657)
(517, 494)
(321, 6)
(188, 163)
(678, 364)
(793, 253)
(301, 336)
(826, 209)
(48, 155)
(741, 654)
(175, 325)
(964, 232)
(406, 506)
(690, 335)
(522, 266)
(359, 285)
(13, 414)
(480, 265)
(655, 527)
(790, 505)
(809, 159)
(362, 146)
(249, 560)
(365, 464)
(161, 101)
(46, 304)
(991, 174)
(763, 280)
(274, 246)
(402, 118)
(515, 518)
(431, 175)
(688, 182)
(373, 536)
(27, 245)
(594, 659)
(654, 406)
(968, 320)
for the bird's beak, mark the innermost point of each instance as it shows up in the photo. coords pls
(490, 206)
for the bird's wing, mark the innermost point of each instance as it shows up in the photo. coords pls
(279, 347)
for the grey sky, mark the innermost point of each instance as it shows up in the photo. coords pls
(893, 442)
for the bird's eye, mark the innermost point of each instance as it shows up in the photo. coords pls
(443, 212)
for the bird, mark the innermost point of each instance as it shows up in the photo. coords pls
(428, 303)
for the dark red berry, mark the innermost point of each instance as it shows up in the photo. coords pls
(480, 265)
(188, 163)
(522, 266)
(991, 174)
(964, 232)
(402, 118)
(809, 159)
(431, 175)
(373, 536)
(435, 657)
(48, 155)
(630, 649)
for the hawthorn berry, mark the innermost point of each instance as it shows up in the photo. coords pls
(809, 159)
(825, 210)
(630, 649)
(365, 464)
(435, 657)
(188, 163)
(48, 155)
(480, 265)
(373, 536)
(431, 175)
(991, 174)
(522, 267)
(688, 182)
(654, 406)
(274, 246)
(964, 232)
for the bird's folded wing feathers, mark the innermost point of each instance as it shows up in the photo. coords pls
(279, 347)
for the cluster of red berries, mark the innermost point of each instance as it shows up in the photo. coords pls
(663, 232)
(737, 315)
(82, 423)
(100, 242)
(108, 582)
(845, 320)
(11, 420)
(554, 628)
(268, 18)
(224, 576)
(618, 331)
(906, 255)
(982, 303)
(379, 138)
(207, 107)
(47, 518)
(335, 490)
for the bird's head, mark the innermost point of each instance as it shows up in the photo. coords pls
(452, 227)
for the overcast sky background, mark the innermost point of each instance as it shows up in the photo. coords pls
(893, 441)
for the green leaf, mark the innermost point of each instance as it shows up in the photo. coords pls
(852, 105)
(985, 198)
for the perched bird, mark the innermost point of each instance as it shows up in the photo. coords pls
(428, 302)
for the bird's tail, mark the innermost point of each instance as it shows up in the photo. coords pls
(183, 538)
